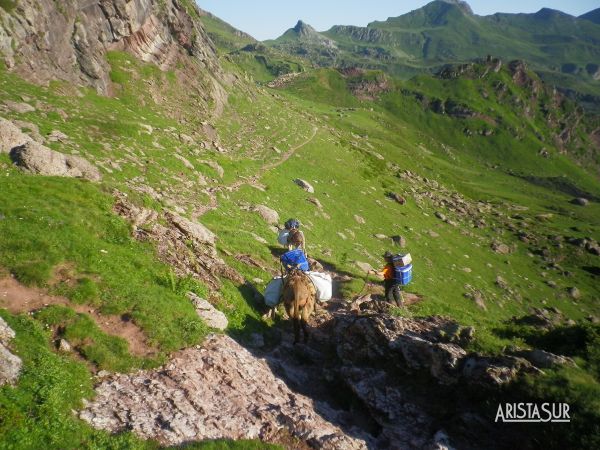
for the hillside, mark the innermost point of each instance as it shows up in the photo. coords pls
(562, 48)
(138, 233)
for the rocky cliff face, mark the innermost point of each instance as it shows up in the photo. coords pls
(68, 40)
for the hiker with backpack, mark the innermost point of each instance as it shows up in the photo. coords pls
(291, 236)
(396, 273)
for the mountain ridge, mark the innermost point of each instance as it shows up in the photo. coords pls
(559, 46)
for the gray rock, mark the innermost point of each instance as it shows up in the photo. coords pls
(580, 201)
(574, 292)
(11, 136)
(500, 248)
(57, 136)
(544, 359)
(193, 230)
(399, 240)
(397, 198)
(363, 266)
(216, 391)
(215, 166)
(501, 282)
(305, 185)
(185, 161)
(39, 159)
(380, 236)
(20, 108)
(494, 371)
(10, 365)
(315, 201)
(207, 312)
(185, 139)
(64, 346)
(269, 215)
(359, 219)
(6, 332)
(440, 216)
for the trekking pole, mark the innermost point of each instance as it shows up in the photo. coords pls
(364, 285)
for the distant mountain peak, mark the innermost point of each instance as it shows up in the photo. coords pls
(549, 13)
(464, 6)
(592, 16)
(304, 29)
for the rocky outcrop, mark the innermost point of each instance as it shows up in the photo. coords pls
(187, 246)
(305, 185)
(269, 215)
(10, 365)
(45, 40)
(36, 158)
(216, 391)
(207, 312)
(11, 136)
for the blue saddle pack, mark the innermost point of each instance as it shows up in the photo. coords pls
(294, 259)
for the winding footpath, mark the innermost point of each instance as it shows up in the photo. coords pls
(211, 192)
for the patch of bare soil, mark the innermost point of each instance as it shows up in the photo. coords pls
(17, 298)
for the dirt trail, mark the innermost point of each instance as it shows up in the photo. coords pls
(17, 299)
(250, 181)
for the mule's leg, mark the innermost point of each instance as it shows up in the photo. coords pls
(306, 312)
(296, 330)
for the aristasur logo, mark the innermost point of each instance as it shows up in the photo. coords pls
(533, 412)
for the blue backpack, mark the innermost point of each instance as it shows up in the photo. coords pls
(294, 259)
(403, 274)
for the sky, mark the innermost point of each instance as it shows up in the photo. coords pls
(268, 19)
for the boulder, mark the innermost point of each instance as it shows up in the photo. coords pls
(580, 201)
(360, 220)
(207, 312)
(185, 161)
(57, 136)
(544, 359)
(11, 136)
(315, 201)
(396, 197)
(64, 346)
(305, 185)
(500, 248)
(193, 230)
(269, 215)
(399, 240)
(416, 344)
(39, 159)
(494, 370)
(215, 166)
(6, 332)
(19, 107)
(574, 293)
(10, 365)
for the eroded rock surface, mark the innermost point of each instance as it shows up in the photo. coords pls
(219, 390)
(11, 136)
(80, 33)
